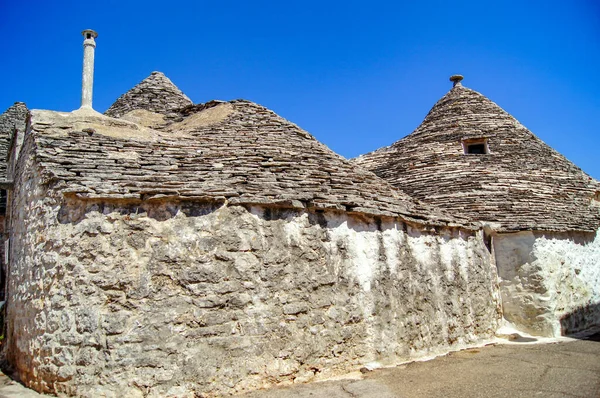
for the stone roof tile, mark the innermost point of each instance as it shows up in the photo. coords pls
(520, 184)
(235, 151)
(13, 118)
(156, 93)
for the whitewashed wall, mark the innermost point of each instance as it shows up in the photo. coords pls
(550, 282)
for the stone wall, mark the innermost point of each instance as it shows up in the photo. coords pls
(13, 118)
(550, 282)
(176, 299)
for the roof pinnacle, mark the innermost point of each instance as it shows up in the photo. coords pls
(456, 79)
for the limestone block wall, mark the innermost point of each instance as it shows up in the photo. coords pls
(550, 282)
(13, 118)
(204, 299)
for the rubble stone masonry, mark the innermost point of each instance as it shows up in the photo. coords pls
(110, 298)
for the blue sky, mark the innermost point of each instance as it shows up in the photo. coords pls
(357, 75)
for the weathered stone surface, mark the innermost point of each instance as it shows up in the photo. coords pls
(239, 151)
(276, 295)
(13, 118)
(202, 250)
(185, 297)
(550, 282)
(156, 93)
(521, 184)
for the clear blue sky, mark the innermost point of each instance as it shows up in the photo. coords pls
(356, 74)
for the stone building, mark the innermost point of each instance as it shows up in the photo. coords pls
(172, 249)
(202, 250)
(542, 213)
(12, 119)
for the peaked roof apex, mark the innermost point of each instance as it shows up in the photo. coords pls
(514, 179)
(157, 75)
(156, 93)
(456, 79)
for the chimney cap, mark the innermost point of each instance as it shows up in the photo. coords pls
(91, 32)
(456, 79)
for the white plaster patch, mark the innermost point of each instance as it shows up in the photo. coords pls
(421, 249)
(572, 274)
(293, 230)
(447, 253)
(362, 250)
(547, 278)
(393, 239)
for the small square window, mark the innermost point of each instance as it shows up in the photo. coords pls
(477, 146)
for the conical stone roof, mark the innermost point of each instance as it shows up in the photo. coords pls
(236, 152)
(520, 184)
(156, 93)
(13, 118)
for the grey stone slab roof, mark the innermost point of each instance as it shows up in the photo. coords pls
(237, 151)
(13, 118)
(520, 184)
(156, 93)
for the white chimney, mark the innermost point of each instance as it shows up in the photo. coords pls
(87, 83)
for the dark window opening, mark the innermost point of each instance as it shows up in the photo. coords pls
(89, 36)
(2, 201)
(476, 149)
(475, 146)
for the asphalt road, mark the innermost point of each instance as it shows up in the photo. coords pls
(565, 369)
